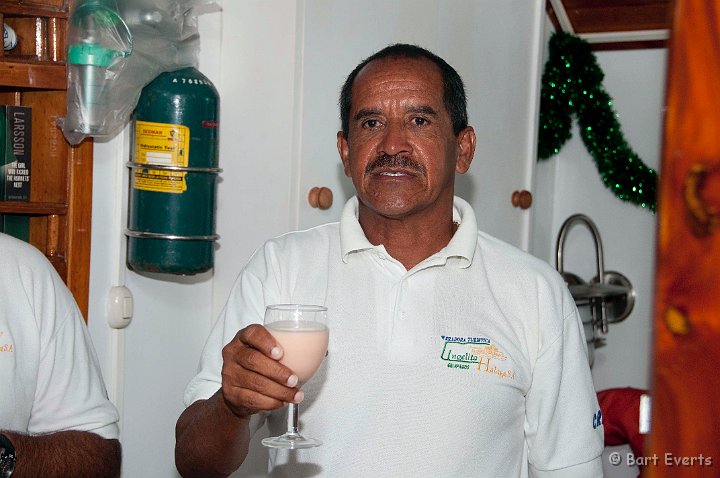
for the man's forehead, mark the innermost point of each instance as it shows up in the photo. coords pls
(400, 75)
(399, 63)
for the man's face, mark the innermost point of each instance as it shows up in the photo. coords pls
(401, 152)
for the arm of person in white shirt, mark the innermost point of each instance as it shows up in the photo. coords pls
(68, 453)
(564, 434)
(213, 435)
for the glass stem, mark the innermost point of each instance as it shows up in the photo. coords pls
(292, 419)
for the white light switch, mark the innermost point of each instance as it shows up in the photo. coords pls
(120, 307)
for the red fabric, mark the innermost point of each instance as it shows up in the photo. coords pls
(620, 409)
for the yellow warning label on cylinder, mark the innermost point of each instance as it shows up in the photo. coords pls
(163, 145)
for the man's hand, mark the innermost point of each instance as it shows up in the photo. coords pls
(253, 379)
(212, 436)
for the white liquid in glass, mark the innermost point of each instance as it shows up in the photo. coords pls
(304, 343)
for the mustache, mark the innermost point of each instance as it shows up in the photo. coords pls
(394, 161)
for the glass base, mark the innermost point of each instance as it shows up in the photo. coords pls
(291, 441)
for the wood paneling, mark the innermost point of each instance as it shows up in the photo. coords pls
(686, 385)
(593, 17)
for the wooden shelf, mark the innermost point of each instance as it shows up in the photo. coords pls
(31, 73)
(48, 9)
(33, 208)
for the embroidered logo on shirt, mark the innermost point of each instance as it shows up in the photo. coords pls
(476, 353)
(597, 419)
(5, 347)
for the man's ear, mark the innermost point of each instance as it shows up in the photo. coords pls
(344, 152)
(466, 149)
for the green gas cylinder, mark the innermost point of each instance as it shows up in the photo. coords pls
(173, 175)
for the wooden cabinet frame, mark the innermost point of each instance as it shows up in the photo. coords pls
(60, 206)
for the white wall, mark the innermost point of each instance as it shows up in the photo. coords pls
(627, 231)
(250, 52)
(148, 364)
(569, 183)
(494, 45)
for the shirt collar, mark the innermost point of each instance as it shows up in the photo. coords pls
(463, 243)
(461, 246)
(352, 237)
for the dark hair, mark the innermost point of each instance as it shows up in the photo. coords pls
(453, 89)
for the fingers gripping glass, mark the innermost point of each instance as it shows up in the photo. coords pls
(303, 333)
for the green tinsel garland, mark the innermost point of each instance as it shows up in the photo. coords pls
(572, 83)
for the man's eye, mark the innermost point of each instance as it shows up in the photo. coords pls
(419, 121)
(371, 123)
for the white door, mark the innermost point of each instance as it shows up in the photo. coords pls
(494, 45)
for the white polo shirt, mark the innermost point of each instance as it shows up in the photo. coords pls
(48, 370)
(472, 363)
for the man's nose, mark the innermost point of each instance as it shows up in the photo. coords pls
(394, 140)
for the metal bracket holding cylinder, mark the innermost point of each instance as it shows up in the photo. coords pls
(167, 167)
(610, 293)
(171, 237)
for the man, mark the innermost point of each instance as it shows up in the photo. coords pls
(55, 417)
(451, 353)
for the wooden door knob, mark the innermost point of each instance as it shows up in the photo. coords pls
(320, 197)
(522, 199)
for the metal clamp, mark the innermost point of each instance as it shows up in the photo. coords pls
(170, 237)
(166, 167)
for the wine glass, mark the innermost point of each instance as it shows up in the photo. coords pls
(303, 333)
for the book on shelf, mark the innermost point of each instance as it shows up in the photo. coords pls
(15, 152)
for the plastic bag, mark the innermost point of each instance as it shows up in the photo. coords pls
(115, 49)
